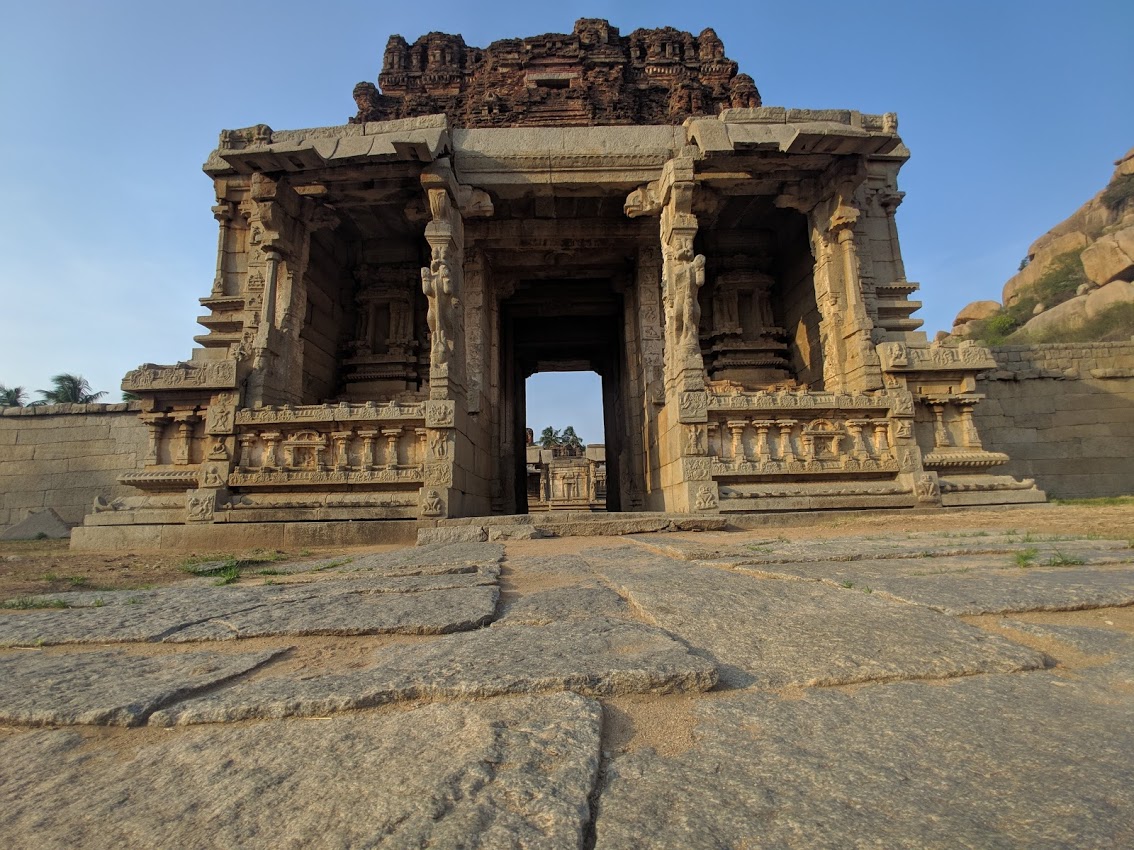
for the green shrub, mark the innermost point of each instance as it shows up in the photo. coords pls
(1118, 192)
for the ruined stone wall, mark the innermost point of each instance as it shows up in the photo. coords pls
(62, 456)
(1064, 413)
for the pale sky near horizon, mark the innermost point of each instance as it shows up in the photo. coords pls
(1014, 113)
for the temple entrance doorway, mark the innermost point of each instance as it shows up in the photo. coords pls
(566, 326)
(566, 455)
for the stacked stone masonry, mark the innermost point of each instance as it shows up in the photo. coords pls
(1064, 414)
(65, 457)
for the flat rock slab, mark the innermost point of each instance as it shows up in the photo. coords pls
(878, 547)
(221, 613)
(508, 774)
(1006, 591)
(773, 633)
(433, 613)
(595, 656)
(988, 762)
(109, 688)
(423, 560)
(563, 603)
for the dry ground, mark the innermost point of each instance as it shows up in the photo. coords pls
(49, 566)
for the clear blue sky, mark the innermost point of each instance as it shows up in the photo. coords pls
(1014, 112)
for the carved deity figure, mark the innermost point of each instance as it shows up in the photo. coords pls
(440, 291)
(687, 279)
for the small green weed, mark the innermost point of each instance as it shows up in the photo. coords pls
(1026, 557)
(77, 581)
(1058, 559)
(330, 565)
(27, 603)
(52, 577)
(228, 575)
(848, 584)
(134, 600)
(269, 572)
(98, 603)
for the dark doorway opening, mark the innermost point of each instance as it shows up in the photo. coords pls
(565, 326)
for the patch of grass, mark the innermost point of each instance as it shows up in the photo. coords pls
(78, 581)
(269, 572)
(848, 584)
(1058, 559)
(27, 603)
(134, 600)
(98, 603)
(867, 589)
(1118, 192)
(1026, 557)
(1114, 324)
(227, 575)
(330, 565)
(52, 577)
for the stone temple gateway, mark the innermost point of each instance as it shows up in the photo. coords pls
(589, 200)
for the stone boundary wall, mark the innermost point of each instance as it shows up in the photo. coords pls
(62, 456)
(1064, 413)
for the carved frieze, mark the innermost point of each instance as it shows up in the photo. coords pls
(344, 412)
(220, 374)
(899, 357)
(308, 477)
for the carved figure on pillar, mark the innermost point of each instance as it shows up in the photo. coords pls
(439, 285)
(688, 276)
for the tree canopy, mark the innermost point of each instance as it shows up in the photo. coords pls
(552, 438)
(69, 389)
(12, 396)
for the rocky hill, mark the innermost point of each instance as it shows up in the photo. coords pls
(1076, 283)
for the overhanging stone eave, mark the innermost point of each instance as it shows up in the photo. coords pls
(834, 132)
(260, 149)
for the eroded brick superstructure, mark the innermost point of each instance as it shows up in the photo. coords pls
(588, 77)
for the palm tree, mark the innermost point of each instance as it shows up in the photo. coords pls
(69, 389)
(549, 438)
(12, 396)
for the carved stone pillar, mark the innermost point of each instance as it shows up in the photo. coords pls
(183, 450)
(441, 281)
(391, 435)
(763, 450)
(340, 458)
(787, 447)
(686, 479)
(736, 428)
(246, 443)
(941, 438)
(155, 426)
(969, 436)
(223, 213)
(850, 362)
(271, 441)
(366, 460)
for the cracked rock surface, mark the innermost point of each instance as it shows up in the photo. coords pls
(504, 774)
(971, 689)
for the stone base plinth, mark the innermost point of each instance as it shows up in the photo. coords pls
(245, 535)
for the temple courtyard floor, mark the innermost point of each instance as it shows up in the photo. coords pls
(963, 679)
